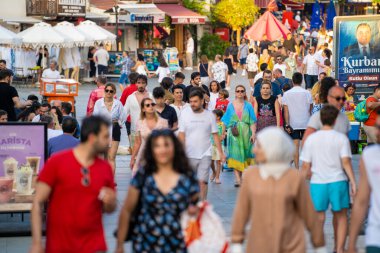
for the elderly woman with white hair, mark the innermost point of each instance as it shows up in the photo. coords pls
(275, 199)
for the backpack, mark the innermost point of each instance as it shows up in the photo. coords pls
(360, 112)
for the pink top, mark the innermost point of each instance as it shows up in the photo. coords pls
(144, 132)
(95, 95)
(239, 114)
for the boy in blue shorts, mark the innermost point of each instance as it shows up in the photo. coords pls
(326, 157)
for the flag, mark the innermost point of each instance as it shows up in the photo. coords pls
(330, 16)
(316, 21)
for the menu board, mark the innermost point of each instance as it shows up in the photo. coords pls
(23, 150)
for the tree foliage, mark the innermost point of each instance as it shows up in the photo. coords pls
(198, 6)
(236, 13)
(211, 45)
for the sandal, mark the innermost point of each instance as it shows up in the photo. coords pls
(212, 178)
(217, 181)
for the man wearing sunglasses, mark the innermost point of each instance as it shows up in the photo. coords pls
(80, 187)
(336, 97)
(369, 189)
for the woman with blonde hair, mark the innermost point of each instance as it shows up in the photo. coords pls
(149, 121)
(276, 201)
(204, 68)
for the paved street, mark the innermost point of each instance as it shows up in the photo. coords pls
(222, 197)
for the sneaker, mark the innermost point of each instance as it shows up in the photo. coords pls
(243, 73)
(234, 74)
(228, 88)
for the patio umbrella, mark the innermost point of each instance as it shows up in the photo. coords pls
(97, 33)
(267, 25)
(316, 21)
(331, 13)
(70, 33)
(8, 37)
(42, 35)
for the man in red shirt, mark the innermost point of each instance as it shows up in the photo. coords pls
(96, 94)
(79, 187)
(372, 104)
(126, 93)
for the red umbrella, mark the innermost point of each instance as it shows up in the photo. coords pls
(267, 25)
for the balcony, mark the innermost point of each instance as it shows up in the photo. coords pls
(46, 8)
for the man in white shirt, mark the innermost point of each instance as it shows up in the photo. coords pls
(189, 52)
(132, 106)
(196, 125)
(297, 104)
(280, 64)
(52, 72)
(52, 132)
(219, 71)
(310, 68)
(101, 58)
(326, 158)
(367, 197)
(259, 75)
(252, 67)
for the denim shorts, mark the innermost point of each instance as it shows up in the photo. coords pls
(123, 79)
(243, 61)
(337, 194)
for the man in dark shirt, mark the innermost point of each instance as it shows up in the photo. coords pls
(3, 65)
(196, 82)
(66, 112)
(9, 99)
(165, 111)
(264, 44)
(65, 140)
(267, 76)
(290, 43)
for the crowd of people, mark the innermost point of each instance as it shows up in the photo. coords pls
(289, 127)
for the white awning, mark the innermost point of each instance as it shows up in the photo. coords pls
(20, 20)
(141, 13)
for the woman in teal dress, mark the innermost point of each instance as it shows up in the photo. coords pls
(240, 114)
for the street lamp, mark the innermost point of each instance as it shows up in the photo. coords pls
(116, 9)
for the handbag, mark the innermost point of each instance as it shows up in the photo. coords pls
(235, 130)
(133, 219)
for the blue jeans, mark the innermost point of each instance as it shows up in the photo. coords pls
(310, 81)
(123, 79)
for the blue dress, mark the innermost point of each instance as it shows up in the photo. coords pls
(158, 228)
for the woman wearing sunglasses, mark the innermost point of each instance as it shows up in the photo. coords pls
(240, 120)
(162, 189)
(113, 110)
(149, 120)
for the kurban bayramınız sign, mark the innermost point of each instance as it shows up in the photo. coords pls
(357, 50)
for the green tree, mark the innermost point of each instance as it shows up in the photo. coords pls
(237, 14)
(211, 45)
(198, 6)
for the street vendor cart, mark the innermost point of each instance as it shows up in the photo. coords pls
(64, 90)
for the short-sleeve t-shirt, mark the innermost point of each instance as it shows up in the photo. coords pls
(74, 215)
(324, 150)
(169, 114)
(197, 128)
(7, 93)
(342, 124)
(298, 101)
(372, 113)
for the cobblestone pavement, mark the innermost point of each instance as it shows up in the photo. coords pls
(222, 196)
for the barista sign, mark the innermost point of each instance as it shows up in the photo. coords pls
(76, 8)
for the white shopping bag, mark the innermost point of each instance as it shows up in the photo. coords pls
(204, 233)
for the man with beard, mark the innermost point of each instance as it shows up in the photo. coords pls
(80, 187)
(196, 82)
(132, 105)
(196, 125)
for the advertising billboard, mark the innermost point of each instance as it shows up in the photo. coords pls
(357, 50)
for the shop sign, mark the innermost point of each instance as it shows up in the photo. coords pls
(223, 33)
(354, 63)
(75, 8)
(184, 20)
(141, 18)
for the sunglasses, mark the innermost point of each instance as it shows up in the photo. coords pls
(240, 91)
(109, 91)
(85, 177)
(338, 99)
(149, 105)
